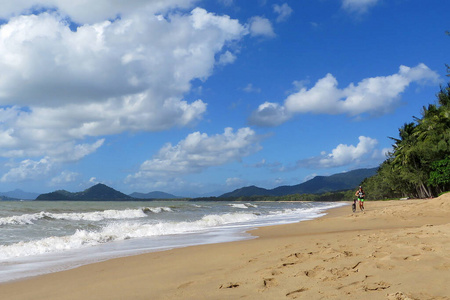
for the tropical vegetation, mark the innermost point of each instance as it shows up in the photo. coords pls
(419, 164)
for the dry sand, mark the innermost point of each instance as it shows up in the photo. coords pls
(395, 250)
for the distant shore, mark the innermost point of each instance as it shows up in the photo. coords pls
(395, 250)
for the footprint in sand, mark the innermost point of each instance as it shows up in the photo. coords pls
(229, 285)
(384, 266)
(270, 282)
(296, 258)
(317, 271)
(398, 296)
(343, 272)
(296, 292)
(376, 286)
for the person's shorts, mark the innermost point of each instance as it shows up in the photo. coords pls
(361, 199)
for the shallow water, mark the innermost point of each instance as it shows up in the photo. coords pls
(42, 237)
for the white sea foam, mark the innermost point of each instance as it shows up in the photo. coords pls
(117, 231)
(86, 216)
(157, 210)
(238, 205)
(20, 220)
(243, 206)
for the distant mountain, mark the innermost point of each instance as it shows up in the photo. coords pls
(248, 191)
(317, 185)
(20, 195)
(6, 198)
(153, 195)
(98, 192)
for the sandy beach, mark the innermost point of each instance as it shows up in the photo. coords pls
(395, 250)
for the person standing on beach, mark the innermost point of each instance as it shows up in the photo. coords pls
(361, 195)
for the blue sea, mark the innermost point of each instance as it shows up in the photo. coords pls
(43, 237)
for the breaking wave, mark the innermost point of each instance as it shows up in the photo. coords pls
(87, 216)
(118, 231)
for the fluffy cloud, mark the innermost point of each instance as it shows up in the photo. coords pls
(270, 114)
(29, 169)
(197, 152)
(85, 11)
(284, 11)
(60, 87)
(43, 62)
(364, 152)
(347, 154)
(374, 96)
(358, 6)
(234, 181)
(227, 58)
(64, 178)
(260, 26)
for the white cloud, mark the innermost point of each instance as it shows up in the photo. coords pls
(197, 152)
(69, 152)
(29, 169)
(59, 87)
(64, 178)
(107, 60)
(251, 89)
(270, 114)
(374, 96)
(260, 26)
(358, 6)
(348, 154)
(284, 11)
(363, 154)
(86, 11)
(227, 58)
(234, 182)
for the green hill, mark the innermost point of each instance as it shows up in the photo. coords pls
(98, 192)
(247, 192)
(317, 185)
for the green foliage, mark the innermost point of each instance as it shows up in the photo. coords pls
(419, 165)
(440, 174)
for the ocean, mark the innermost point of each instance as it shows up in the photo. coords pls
(49, 236)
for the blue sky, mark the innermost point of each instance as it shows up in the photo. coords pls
(203, 97)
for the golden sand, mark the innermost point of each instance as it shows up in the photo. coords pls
(395, 250)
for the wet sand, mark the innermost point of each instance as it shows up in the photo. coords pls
(395, 250)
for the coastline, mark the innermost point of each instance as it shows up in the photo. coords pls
(381, 254)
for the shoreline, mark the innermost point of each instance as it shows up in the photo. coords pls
(20, 268)
(376, 255)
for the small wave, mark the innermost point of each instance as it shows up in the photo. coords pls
(157, 210)
(238, 205)
(117, 231)
(20, 220)
(243, 206)
(86, 216)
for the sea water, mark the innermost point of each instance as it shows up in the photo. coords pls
(42, 237)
